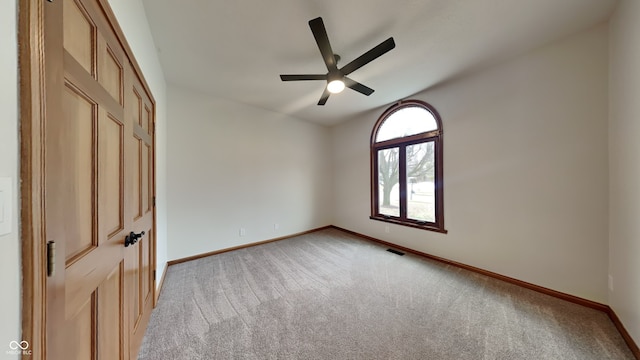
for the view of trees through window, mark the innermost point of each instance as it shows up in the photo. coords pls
(388, 178)
(420, 182)
(420, 178)
(406, 152)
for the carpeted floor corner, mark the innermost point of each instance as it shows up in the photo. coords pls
(331, 295)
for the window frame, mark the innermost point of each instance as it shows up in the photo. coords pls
(401, 143)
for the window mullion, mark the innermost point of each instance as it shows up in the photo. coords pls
(402, 180)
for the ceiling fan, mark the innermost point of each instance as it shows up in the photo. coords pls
(337, 78)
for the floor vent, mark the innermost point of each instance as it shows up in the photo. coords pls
(395, 252)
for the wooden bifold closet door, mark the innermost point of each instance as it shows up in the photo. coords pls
(99, 179)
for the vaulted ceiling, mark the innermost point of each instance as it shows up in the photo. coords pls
(236, 50)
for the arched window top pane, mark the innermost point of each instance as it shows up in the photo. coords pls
(406, 121)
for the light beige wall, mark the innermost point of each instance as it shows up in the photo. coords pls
(133, 21)
(233, 166)
(624, 164)
(525, 169)
(9, 165)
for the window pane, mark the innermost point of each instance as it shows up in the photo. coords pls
(406, 121)
(421, 182)
(388, 176)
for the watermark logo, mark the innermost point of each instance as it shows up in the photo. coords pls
(19, 348)
(23, 345)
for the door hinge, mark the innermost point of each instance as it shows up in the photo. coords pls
(51, 258)
(154, 275)
(154, 201)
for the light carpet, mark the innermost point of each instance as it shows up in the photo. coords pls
(332, 295)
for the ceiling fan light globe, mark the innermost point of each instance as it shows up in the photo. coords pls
(335, 86)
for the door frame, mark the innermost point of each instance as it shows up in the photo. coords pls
(32, 89)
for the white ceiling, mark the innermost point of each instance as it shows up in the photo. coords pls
(236, 50)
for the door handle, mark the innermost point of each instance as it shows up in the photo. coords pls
(132, 238)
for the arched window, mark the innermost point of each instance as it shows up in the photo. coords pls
(406, 166)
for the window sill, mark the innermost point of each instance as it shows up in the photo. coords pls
(409, 224)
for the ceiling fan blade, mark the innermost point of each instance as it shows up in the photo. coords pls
(324, 97)
(303, 77)
(357, 86)
(320, 34)
(369, 56)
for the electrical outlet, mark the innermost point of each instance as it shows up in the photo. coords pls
(276, 226)
(243, 232)
(386, 229)
(610, 283)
